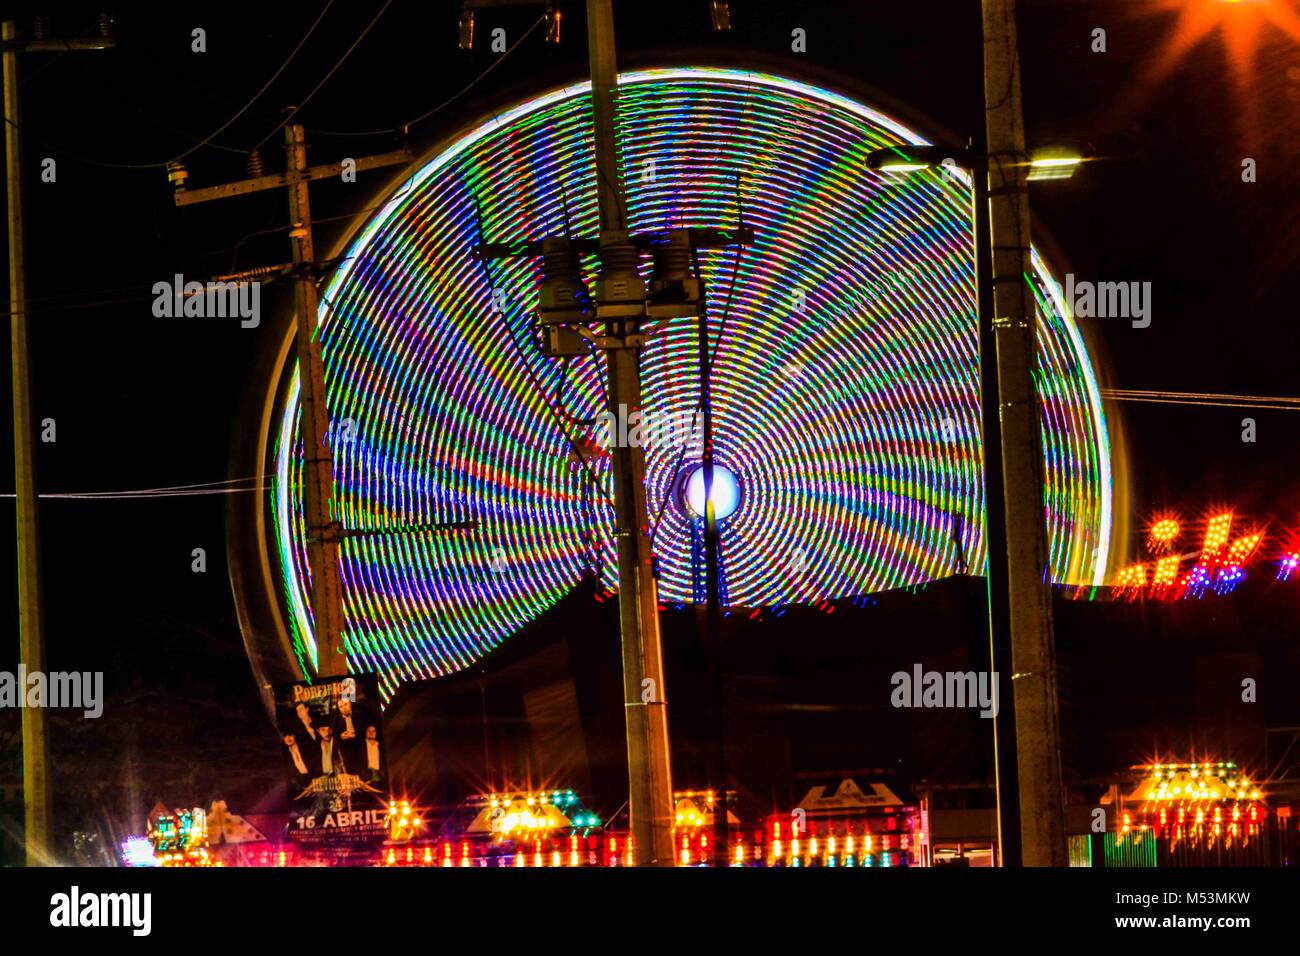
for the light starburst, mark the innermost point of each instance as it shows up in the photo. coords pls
(1243, 27)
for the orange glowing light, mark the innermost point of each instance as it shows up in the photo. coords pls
(1252, 34)
(1166, 571)
(1216, 532)
(1241, 549)
(1134, 576)
(1165, 530)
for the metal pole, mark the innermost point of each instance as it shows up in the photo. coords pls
(995, 528)
(650, 802)
(1033, 655)
(713, 603)
(324, 532)
(36, 785)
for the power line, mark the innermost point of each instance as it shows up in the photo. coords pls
(699, 405)
(401, 129)
(334, 69)
(403, 126)
(176, 131)
(474, 82)
(1211, 399)
(211, 136)
(230, 486)
(583, 459)
(274, 77)
(58, 56)
(57, 302)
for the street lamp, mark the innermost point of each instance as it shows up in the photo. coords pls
(909, 158)
(1053, 163)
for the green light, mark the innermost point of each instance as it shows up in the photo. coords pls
(1053, 164)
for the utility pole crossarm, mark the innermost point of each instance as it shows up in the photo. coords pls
(59, 46)
(325, 534)
(701, 237)
(242, 187)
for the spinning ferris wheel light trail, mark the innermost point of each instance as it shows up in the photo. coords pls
(860, 452)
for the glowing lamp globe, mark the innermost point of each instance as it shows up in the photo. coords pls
(726, 492)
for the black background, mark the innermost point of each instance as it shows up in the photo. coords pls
(141, 402)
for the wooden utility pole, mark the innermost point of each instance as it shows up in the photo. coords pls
(36, 784)
(620, 298)
(613, 320)
(323, 526)
(325, 533)
(1033, 652)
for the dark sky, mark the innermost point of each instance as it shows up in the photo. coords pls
(141, 402)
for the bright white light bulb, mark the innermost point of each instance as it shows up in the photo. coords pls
(726, 492)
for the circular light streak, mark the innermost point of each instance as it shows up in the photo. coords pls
(845, 385)
(726, 492)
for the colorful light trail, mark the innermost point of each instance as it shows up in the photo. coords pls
(845, 378)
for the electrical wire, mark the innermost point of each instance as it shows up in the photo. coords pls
(1212, 399)
(176, 131)
(224, 487)
(579, 453)
(474, 82)
(94, 28)
(399, 130)
(699, 405)
(326, 78)
(274, 76)
(403, 128)
(207, 140)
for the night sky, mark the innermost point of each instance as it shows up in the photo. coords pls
(142, 402)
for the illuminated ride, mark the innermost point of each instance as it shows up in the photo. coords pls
(1185, 808)
(847, 827)
(531, 828)
(845, 383)
(179, 838)
(1231, 550)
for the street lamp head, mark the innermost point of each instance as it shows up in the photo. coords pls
(1053, 163)
(1048, 163)
(899, 165)
(907, 158)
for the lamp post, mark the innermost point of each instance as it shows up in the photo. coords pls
(37, 801)
(1048, 164)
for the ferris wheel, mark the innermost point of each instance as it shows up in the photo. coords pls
(844, 381)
